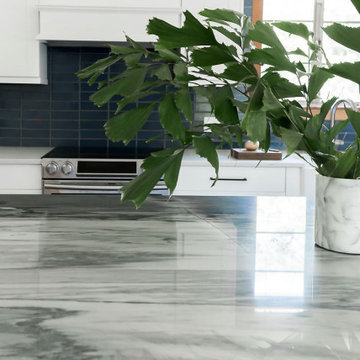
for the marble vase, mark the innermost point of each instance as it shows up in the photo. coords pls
(337, 214)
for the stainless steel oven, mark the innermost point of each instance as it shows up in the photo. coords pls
(91, 172)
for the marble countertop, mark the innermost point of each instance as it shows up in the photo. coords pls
(85, 277)
(22, 155)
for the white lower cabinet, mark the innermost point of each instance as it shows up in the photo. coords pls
(240, 181)
(20, 179)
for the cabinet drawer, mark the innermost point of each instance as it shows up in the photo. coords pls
(232, 181)
(22, 177)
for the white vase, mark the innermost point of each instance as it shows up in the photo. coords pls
(337, 214)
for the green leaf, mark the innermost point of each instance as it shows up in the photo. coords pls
(222, 15)
(223, 133)
(229, 34)
(344, 35)
(136, 45)
(162, 72)
(241, 72)
(291, 138)
(271, 56)
(170, 118)
(206, 149)
(181, 73)
(347, 70)
(98, 67)
(298, 52)
(183, 102)
(326, 107)
(193, 33)
(282, 87)
(172, 172)
(344, 164)
(131, 81)
(270, 101)
(224, 109)
(313, 127)
(336, 129)
(212, 55)
(293, 28)
(125, 126)
(132, 60)
(356, 3)
(122, 50)
(264, 34)
(317, 79)
(167, 54)
(354, 118)
(255, 124)
(139, 188)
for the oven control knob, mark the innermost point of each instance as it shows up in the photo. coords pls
(52, 168)
(67, 168)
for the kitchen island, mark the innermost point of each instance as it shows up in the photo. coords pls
(85, 277)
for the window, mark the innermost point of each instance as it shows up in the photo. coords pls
(317, 14)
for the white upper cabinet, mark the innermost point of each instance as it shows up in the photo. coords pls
(106, 20)
(23, 57)
(195, 6)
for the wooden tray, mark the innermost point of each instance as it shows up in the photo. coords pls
(243, 154)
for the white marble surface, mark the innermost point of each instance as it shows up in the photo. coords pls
(338, 214)
(85, 277)
(22, 155)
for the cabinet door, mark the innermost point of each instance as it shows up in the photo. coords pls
(103, 21)
(23, 58)
(198, 5)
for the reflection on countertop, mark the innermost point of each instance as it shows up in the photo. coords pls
(85, 277)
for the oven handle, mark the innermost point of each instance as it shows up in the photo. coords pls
(91, 187)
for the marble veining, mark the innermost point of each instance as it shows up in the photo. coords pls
(85, 277)
(337, 214)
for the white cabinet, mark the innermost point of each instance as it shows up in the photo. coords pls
(23, 58)
(233, 181)
(104, 21)
(20, 179)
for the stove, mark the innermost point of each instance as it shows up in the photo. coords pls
(93, 170)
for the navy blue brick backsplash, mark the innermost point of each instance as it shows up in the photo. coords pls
(61, 114)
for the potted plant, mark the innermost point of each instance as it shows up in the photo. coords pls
(193, 59)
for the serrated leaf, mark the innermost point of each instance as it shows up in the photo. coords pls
(271, 56)
(234, 37)
(222, 15)
(264, 34)
(184, 103)
(122, 50)
(298, 51)
(344, 164)
(132, 59)
(356, 3)
(354, 118)
(326, 107)
(136, 45)
(317, 79)
(172, 172)
(293, 28)
(291, 139)
(206, 149)
(224, 109)
(123, 127)
(167, 54)
(98, 67)
(131, 81)
(344, 35)
(282, 87)
(162, 72)
(336, 129)
(139, 188)
(313, 127)
(254, 122)
(347, 70)
(270, 102)
(193, 33)
(170, 118)
(241, 72)
(212, 55)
